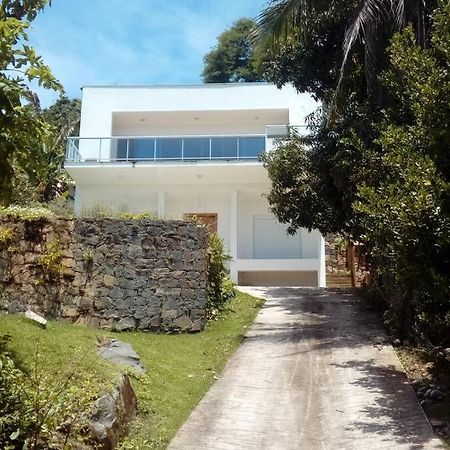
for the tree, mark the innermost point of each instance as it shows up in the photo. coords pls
(235, 57)
(405, 212)
(382, 177)
(23, 129)
(370, 22)
(64, 117)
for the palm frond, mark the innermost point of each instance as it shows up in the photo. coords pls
(282, 18)
(369, 16)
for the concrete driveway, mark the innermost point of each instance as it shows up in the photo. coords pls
(314, 372)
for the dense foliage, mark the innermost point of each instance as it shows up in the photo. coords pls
(23, 129)
(376, 168)
(235, 57)
(36, 411)
(220, 286)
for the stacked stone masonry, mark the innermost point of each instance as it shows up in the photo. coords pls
(108, 273)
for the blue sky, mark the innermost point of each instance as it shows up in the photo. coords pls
(91, 42)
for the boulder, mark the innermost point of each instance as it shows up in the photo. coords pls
(122, 354)
(112, 415)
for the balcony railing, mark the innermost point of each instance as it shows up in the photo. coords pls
(176, 148)
(173, 148)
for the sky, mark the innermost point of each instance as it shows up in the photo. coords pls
(107, 42)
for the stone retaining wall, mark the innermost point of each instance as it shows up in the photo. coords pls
(109, 273)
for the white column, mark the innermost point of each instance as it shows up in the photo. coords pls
(234, 235)
(322, 272)
(161, 205)
(77, 206)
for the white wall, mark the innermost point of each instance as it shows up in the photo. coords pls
(255, 205)
(110, 110)
(115, 198)
(190, 199)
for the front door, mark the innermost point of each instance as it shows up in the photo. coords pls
(207, 219)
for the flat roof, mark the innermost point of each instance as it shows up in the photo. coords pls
(178, 86)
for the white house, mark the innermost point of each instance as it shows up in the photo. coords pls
(179, 151)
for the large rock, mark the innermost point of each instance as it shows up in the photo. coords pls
(113, 414)
(121, 353)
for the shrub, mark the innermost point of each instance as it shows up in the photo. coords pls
(37, 412)
(28, 214)
(11, 419)
(6, 235)
(51, 259)
(220, 286)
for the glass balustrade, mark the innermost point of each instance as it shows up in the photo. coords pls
(192, 148)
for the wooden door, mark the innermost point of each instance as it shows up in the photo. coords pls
(207, 219)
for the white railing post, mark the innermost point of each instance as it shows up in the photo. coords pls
(128, 150)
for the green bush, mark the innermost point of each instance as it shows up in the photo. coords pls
(29, 214)
(220, 286)
(51, 259)
(37, 412)
(6, 235)
(11, 419)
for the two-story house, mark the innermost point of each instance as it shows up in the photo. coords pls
(180, 151)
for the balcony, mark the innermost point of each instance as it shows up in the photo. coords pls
(153, 149)
(160, 149)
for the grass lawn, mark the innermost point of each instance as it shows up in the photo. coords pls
(180, 368)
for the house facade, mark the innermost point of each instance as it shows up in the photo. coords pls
(184, 151)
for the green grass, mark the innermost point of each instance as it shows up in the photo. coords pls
(180, 368)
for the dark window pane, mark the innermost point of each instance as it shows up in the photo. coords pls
(141, 148)
(168, 148)
(251, 147)
(224, 147)
(121, 148)
(137, 148)
(196, 148)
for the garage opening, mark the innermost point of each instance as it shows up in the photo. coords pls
(270, 240)
(278, 278)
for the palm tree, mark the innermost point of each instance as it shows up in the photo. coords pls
(372, 22)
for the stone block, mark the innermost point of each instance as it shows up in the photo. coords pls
(70, 312)
(169, 313)
(109, 280)
(125, 324)
(116, 293)
(101, 303)
(198, 325)
(183, 323)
